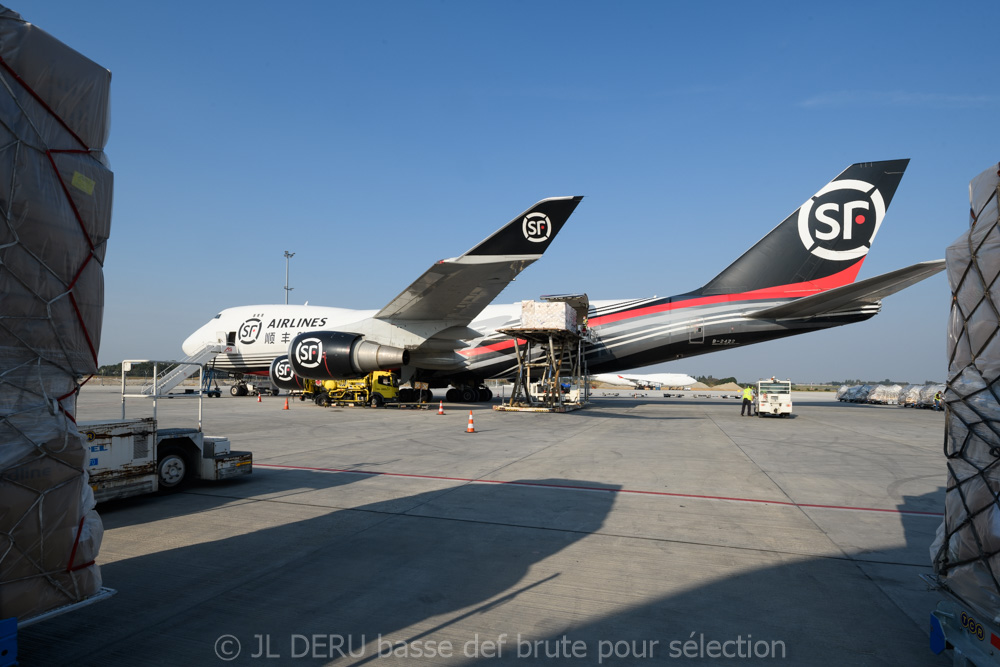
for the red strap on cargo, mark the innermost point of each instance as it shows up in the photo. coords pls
(76, 212)
(72, 555)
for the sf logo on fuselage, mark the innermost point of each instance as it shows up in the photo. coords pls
(536, 227)
(250, 330)
(841, 220)
(283, 371)
(309, 352)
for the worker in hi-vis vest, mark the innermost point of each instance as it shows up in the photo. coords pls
(747, 402)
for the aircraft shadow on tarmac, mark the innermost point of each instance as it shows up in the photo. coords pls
(424, 563)
(826, 611)
(371, 569)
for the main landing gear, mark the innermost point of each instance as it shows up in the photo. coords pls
(469, 394)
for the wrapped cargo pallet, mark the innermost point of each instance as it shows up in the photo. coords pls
(859, 393)
(909, 395)
(885, 394)
(548, 315)
(966, 553)
(927, 394)
(840, 392)
(55, 213)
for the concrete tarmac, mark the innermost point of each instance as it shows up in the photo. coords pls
(638, 531)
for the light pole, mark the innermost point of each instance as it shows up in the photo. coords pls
(288, 256)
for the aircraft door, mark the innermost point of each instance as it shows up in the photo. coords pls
(696, 333)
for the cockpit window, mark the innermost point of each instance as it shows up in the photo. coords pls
(217, 316)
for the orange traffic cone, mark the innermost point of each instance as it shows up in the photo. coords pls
(441, 408)
(286, 405)
(258, 398)
(472, 427)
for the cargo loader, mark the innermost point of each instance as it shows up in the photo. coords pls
(133, 456)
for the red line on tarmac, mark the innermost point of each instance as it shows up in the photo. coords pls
(573, 487)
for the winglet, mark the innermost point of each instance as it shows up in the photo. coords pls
(530, 233)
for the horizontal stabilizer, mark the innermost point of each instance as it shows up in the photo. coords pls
(863, 292)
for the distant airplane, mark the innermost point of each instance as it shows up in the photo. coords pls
(440, 330)
(647, 381)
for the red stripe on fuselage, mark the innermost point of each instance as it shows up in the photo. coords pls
(794, 290)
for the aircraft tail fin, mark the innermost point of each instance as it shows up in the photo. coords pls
(824, 242)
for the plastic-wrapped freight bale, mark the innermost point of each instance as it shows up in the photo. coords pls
(55, 213)
(927, 394)
(885, 394)
(909, 395)
(966, 553)
(548, 315)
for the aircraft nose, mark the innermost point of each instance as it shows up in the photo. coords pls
(193, 342)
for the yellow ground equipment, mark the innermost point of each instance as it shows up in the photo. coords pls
(375, 389)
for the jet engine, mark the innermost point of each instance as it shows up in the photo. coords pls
(282, 375)
(334, 355)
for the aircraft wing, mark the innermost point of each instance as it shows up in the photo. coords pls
(863, 292)
(455, 291)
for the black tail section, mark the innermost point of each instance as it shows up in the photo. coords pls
(826, 239)
(531, 232)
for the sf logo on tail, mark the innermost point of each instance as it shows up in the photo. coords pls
(841, 220)
(308, 352)
(536, 227)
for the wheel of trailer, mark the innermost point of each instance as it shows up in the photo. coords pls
(376, 401)
(453, 395)
(171, 468)
(469, 395)
(235, 390)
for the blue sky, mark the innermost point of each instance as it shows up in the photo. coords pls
(374, 138)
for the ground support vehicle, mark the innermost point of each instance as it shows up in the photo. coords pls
(375, 389)
(972, 635)
(132, 456)
(257, 387)
(774, 397)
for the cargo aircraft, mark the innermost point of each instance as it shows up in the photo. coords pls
(645, 381)
(442, 330)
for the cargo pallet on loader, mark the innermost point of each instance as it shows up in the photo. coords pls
(973, 636)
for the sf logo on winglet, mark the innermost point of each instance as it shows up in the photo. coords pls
(841, 220)
(250, 330)
(536, 227)
(308, 352)
(283, 371)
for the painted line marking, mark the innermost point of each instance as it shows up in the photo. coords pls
(571, 487)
